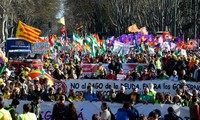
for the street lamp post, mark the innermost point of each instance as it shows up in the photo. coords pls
(175, 12)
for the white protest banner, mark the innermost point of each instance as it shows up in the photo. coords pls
(90, 68)
(182, 112)
(86, 109)
(121, 76)
(126, 48)
(117, 46)
(40, 47)
(164, 86)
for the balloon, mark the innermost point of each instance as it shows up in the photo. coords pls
(5, 59)
(1, 60)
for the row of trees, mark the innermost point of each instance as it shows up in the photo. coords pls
(112, 17)
(106, 17)
(37, 13)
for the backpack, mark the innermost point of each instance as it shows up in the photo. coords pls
(112, 116)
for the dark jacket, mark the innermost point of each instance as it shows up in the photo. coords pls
(120, 97)
(59, 112)
(170, 117)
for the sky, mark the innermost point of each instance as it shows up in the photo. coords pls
(61, 12)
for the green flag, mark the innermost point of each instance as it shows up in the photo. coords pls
(3, 69)
(120, 52)
(147, 47)
(77, 39)
(160, 52)
(58, 45)
(103, 50)
(90, 46)
(88, 40)
(94, 41)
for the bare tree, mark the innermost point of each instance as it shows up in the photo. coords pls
(179, 17)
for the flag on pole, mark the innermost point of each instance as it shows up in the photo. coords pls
(166, 35)
(144, 31)
(62, 20)
(98, 39)
(50, 39)
(133, 28)
(88, 43)
(77, 39)
(120, 52)
(28, 33)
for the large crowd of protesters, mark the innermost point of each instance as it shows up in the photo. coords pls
(165, 66)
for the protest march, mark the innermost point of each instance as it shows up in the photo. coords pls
(84, 74)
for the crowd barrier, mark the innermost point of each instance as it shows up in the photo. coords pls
(86, 109)
(164, 86)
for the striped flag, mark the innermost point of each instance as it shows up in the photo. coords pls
(77, 39)
(88, 43)
(28, 33)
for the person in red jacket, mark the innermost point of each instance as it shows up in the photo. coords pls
(111, 76)
(194, 109)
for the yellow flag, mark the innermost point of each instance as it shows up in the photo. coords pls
(144, 31)
(133, 28)
(62, 20)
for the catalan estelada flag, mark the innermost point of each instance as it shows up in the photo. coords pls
(28, 33)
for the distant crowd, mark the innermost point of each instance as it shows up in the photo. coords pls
(169, 65)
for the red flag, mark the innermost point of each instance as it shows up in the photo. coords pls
(50, 40)
(63, 30)
(191, 44)
(166, 35)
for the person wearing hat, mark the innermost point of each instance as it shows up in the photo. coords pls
(1, 82)
(36, 78)
(56, 71)
(184, 87)
(12, 109)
